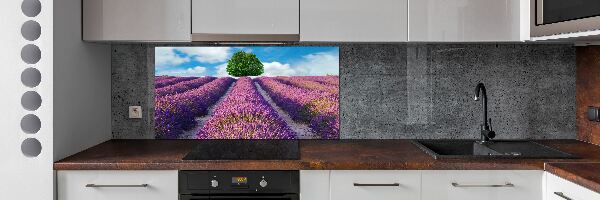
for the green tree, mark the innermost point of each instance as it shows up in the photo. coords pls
(244, 64)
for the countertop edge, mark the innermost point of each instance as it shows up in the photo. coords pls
(573, 176)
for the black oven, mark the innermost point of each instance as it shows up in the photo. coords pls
(238, 185)
(554, 17)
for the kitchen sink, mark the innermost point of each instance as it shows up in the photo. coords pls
(440, 149)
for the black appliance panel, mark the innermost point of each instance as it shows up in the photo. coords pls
(248, 197)
(244, 150)
(554, 11)
(232, 182)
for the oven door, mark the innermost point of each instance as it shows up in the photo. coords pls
(552, 17)
(240, 197)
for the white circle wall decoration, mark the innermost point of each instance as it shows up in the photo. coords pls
(31, 77)
(31, 30)
(31, 100)
(31, 54)
(31, 124)
(31, 8)
(31, 147)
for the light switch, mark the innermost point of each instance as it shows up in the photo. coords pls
(135, 112)
(593, 114)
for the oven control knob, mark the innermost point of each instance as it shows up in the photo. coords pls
(214, 183)
(263, 183)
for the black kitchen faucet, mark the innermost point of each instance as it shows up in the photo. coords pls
(486, 129)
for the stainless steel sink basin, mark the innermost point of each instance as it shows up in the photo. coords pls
(496, 149)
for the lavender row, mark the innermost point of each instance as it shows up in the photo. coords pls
(319, 109)
(244, 114)
(182, 86)
(175, 113)
(161, 78)
(331, 80)
(171, 81)
(309, 84)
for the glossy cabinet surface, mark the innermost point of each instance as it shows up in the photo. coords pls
(245, 17)
(308, 20)
(482, 184)
(468, 20)
(376, 185)
(354, 20)
(314, 184)
(136, 20)
(560, 189)
(117, 185)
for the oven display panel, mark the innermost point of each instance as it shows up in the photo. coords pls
(239, 180)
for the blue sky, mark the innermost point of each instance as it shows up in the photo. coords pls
(277, 61)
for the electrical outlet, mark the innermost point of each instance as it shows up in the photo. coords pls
(135, 112)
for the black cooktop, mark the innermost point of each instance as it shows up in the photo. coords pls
(244, 150)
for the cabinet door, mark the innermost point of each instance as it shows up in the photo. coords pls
(136, 20)
(375, 185)
(482, 184)
(353, 20)
(468, 20)
(216, 18)
(117, 185)
(314, 185)
(560, 189)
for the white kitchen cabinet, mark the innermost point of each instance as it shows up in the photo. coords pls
(560, 189)
(468, 20)
(482, 184)
(117, 185)
(243, 20)
(136, 20)
(353, 20)
(375, 185)
(314, 185)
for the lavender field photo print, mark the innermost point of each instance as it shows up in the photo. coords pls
(254, 92)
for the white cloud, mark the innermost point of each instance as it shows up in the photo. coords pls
(207, 54)
(322, 63)
(278, 69)
(194, 71)
(221, 70)
(166, 57)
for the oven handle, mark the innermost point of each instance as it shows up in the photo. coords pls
(249, 196)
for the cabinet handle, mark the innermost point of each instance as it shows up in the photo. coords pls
(115, 186)
(376, 184)
(560, 194)
(492, 185)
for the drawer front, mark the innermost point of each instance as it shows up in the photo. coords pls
(560, 189)
(116, 185)
(314, 184)
(375, 185)
(482, 184)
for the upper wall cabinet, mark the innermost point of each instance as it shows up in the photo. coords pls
(136, 20)
(245, 20)
(468, 20)
(353, 20)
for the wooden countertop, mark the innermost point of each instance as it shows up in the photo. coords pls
(332, 155)
(584, 174)
(314, 154)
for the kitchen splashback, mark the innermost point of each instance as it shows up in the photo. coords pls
(408, 90)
